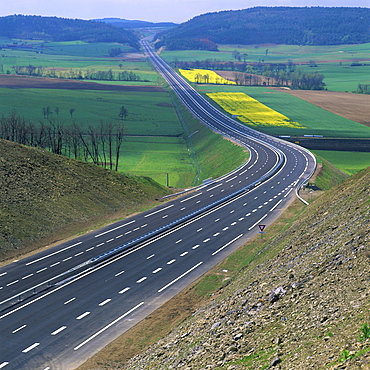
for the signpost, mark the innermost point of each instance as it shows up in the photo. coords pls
(262, 228)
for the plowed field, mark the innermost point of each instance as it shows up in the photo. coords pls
(24, 82)
(355, 107)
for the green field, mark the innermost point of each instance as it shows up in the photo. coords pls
(156, 141)
(333, 61)
(157, 127)
(316, 120)
(146, 116)
(347, 162)
(77, 55)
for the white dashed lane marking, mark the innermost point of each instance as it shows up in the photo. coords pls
(124, 290)
(58, 330)
(83, 315)
(31, 347)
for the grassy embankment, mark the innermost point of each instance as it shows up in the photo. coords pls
(45, 198)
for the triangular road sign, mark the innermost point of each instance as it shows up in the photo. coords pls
(262, 227)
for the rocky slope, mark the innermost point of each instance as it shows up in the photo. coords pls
(44, 197)
(306, 307)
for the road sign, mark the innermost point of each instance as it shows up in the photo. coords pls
(262, 227)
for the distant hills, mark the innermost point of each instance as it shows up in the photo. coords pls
(271, 25)
(132, 24)
(63, 29)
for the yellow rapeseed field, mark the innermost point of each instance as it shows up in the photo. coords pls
(251, 111)
(204, 76)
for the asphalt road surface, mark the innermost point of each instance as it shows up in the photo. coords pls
(60, 306)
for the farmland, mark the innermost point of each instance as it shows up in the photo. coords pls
(335, 62)
(316, 121)
(156, 140)
(251, 111)
(204, 76)
(347, 162)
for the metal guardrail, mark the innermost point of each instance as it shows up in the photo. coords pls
(71, 273)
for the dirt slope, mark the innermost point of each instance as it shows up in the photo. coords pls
(301, 309)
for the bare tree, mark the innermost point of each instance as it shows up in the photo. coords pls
(119, 139)
(123, 113)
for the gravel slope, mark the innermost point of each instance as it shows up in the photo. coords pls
(302, 309)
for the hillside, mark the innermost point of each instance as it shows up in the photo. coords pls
(271, 25)
(63, 29)
(44, 197)
(300, 302)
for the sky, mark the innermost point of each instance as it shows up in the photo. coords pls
(177, 11)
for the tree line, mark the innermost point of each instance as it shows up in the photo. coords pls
(100, 144)
(89, 74)
(64, 29)
(272, 25)
(363, 89)
(260, 74)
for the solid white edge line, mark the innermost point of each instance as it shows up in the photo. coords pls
(276, 205)
(233, 178)
(107, 326)
(52, 254)
(184, 200)
(258, 222)
(160, 210)
(116, 228)
(214, 187)
(179, 277)
(227, 244)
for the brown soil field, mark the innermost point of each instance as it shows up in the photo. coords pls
(355, 107)
(24, 82)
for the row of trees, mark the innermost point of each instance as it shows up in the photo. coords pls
(363, 89)
(100, 144)
(73, 74)
(260, 74)
(219, 65)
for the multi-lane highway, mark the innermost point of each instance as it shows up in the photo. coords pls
(60, 306)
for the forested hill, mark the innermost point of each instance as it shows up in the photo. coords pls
(131, 24)
(63, 29)
(276, 25)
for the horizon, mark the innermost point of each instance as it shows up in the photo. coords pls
(174, 11)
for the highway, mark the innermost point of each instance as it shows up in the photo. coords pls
(60, 306)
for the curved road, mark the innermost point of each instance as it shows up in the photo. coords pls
(60, 306)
